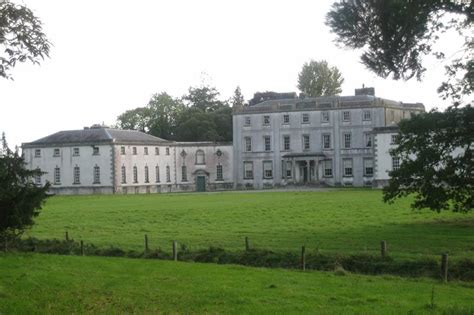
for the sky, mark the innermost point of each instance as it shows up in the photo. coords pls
(111, 56)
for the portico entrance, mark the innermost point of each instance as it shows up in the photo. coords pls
(305, 167)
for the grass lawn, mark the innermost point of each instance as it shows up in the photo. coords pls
(50, 284)
(345, 221)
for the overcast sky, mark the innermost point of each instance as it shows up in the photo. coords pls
(111, 56)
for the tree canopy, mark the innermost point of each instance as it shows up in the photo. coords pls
(435, 148)
(395, 35)
(20, 198)
(198, 116)
(436, 160)
(317, 78)
(21, 37)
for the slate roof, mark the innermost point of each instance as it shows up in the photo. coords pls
(96, 136)
(326, 102)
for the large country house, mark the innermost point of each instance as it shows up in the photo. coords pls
(330, 141)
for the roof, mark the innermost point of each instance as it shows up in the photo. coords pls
(326, 102)
(96, 136)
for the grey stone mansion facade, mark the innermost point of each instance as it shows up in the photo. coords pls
(328, 141)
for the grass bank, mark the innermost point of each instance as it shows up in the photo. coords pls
(340, 221)
(34, 283)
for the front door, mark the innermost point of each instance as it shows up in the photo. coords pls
(200, 183)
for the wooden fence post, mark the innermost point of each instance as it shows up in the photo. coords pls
(303, 258)
(444, 267)
(67, 236)
(82, 248)
(175, 251)
(383, 249)
(247, 246)
(146, 244)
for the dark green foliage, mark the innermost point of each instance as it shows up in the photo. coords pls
(437, 160)
(317, 78)
(203, 118)
(237, 100)
(362, 263)
(20, 198)
(21, 37)
(394, 35)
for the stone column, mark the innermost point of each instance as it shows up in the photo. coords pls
(308, 170)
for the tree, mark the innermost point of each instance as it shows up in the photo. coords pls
(237, 100)
(318, 79)
(203, 97)
(396, 35)
(135, 119)
(21, 37)
(436, 160)
(20, 198)
(164, 111)
(435, 148)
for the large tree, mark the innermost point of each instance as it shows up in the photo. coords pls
(21, 37)
(20, 198)
(435, 148)
(164, 111)
(436, 160)
(394, 36)
(317, 78)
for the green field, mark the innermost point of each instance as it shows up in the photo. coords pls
(336, 221)
(49, 284)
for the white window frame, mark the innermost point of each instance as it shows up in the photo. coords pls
(346, 116)
(325, 117)
(327, 168)
(267, 167)
(76, 151)
(367, 115)
(147, 174)
(347, 140)
(348, 171)
(368, 140)
(122, 150)
(326, 144)
(305, 118)
(96, 174)
(219, 172)
(248, 172)
(157, 173)
(286, 119)
(168, 174)
(267, 143)
(286, 143)
(248, 144)
(57, 175)
(145, 151)
(56, 152)
(135, 175)
(368, 165)
(266, 120)
(37, 153)
(124, 174)
(395, 163)
(76, 175)
(247, 121)
(306, 143)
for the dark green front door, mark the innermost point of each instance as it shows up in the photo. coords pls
(201, 183)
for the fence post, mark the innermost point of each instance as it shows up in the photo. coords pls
(383, 249)
(67, 236)
(303, 258)
(175, 251)
(444, 267)
(247, 246)
(146, 244)
(82, 248)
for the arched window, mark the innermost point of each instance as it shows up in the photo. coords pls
(124, 174)
(200, 159)
(168, 174)
(135, 174)
(147, 179)
(77, 175)
(96, 174)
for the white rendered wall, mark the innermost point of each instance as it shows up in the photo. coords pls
(66, 161)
